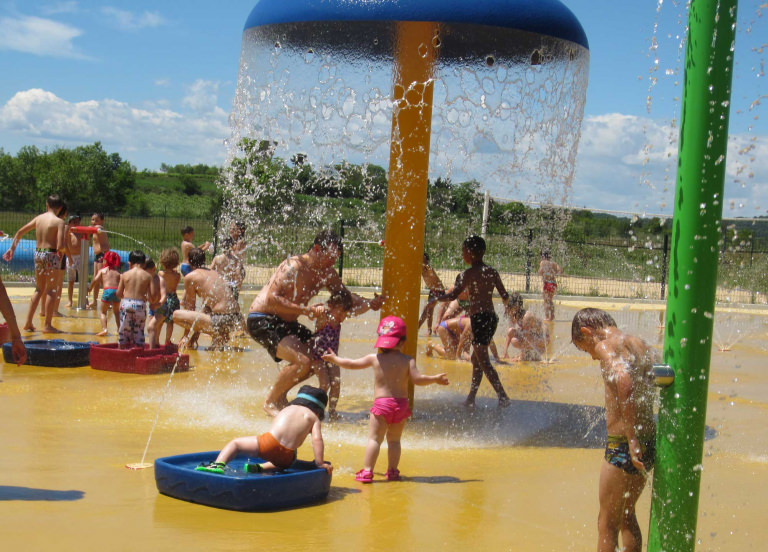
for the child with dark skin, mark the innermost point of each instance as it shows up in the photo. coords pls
(626, 364)
(480, 280)
(393, 370)
(133, 291)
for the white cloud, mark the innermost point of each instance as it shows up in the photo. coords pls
(59, 7)
(145, 135)
(201, 95)
(39, 36)
(130, 21)
(162, 82)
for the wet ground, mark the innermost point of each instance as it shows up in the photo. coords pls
(524, 478)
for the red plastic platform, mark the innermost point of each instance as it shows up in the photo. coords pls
(137, 360)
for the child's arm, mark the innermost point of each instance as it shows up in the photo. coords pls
(8, 255)
(121, 287)
(349, 363)
(455, 291)
(465, 335)
(96, 280)
(500, 288)
(318, 447)
(422, 379)
(361, 305)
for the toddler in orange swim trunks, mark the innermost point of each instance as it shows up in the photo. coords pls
(289, 430)
(392, 369)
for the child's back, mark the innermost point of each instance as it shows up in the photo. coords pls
(110, 277)
(135, 283)
(171, 279)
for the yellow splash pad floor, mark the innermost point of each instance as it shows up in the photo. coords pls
(524, 478)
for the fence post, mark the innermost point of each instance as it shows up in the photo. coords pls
(165, 217)
(528, 253)
(341, 255)
(216, 233)
(664, 261)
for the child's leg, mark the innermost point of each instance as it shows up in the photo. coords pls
(619, 492)
(474, 385)
(103, 308)
(334, 375)
(394, 432)
(244, 445)
(152, 332)
(484, 361)
(168, 332)
(115, 313)
(377, 428)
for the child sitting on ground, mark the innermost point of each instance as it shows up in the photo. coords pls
(108, 278)
(133, 291)
(157, 298)
(526, 332)
(169, 259)
(290, 428)
(392, 370)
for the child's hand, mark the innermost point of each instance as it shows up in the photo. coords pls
(441, 379)
(325, 465)
(329, 356)
(316, 311)
(377, 301)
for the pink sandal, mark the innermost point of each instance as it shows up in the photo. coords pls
(364, 476)
(393, 475)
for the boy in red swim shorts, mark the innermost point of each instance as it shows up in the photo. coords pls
(392, 370)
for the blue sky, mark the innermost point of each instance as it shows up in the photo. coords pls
(155, 81)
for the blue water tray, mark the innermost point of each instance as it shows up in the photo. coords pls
(303, 483)
(53, 352)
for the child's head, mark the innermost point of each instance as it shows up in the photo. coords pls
(63, 210)
(137, 257)
(54, 202)
(473, 248)
(594, 319)
(329, 243)
(341, 299)
(313, 398)
(196, 257)
(514, 308)
(97, 219)
(169, 258)
(187, 233)
(74, 220)
(391, 332)
(149, 266)
(237, 229)
(112, 260)
(545, 254)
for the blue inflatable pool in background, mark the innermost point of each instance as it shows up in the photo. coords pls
(24, 256)
(53, 352)
(303, 483)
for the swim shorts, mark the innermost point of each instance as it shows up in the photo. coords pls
(326, 338)
(185, 269)
(269, 329)
(483, 327)
(550, 287)
(172, 304)
(271, 450)
(133, 315)
(73, 268)
(110, 295)
(46, 260)
(225, 323)
(392, 410)
(617, 453)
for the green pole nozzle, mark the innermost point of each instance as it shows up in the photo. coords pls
(693, 273)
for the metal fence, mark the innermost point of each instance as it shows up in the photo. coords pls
(621, 267)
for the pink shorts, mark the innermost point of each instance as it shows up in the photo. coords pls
(393, 410)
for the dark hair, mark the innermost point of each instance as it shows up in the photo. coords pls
(149, 263)
(169, 258)
(327, 238)
(595, 319)
(475, 245)
(196, 257)
(343, 298)
(186, 230)
(54, 201)
(516, 301)
(240, 225)
(63, 210)
(99, 215)
(545, 254)
(137, 256)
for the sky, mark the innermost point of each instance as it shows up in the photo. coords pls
(155, 82)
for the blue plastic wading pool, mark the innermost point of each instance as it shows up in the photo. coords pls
(303, 483)
(53, 352)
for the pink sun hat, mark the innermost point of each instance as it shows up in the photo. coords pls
(391, 329)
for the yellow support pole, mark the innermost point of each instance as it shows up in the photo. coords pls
(408, 169)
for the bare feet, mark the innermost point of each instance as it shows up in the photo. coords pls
(469, 403)
(429, 349)
(28, 328)
(333, 416)
(504, 402)
(57, 314)
(51, 329)
(69, 305)
(102, 333)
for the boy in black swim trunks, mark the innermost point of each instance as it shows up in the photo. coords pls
(480, 280)
(626, 364)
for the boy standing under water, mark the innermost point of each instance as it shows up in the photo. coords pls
(480, 280)
(392, 370)
(626, 365)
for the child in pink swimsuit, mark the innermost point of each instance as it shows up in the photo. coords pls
(392, 370)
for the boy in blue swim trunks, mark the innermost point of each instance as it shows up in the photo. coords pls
(626, 364)
(392, 370)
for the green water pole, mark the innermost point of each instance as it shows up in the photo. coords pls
(693, 273)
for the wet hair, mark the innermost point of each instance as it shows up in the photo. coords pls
(240, 225)
(595, 319)
(327, 238)
(475, 245)
(137, 256)
(545, 254)
(149, 264)
(516, 301)
(186, 230)
(196, 257)
(63, 210)
(342, 298)
(99, 215)
(54, 201)
(169, 258)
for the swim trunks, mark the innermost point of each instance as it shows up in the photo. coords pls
(269, 329)
(483, 327)
(326, 338)
(225, 323)
(271, 450)
(133, 315)
(63, 263)
(550, 287)
(110, 295)
(617, 453)
(185, 269)
(443, 324)
(73, 268)
(392, 410)
(172, 303)
(464, 304)
(46, 260)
